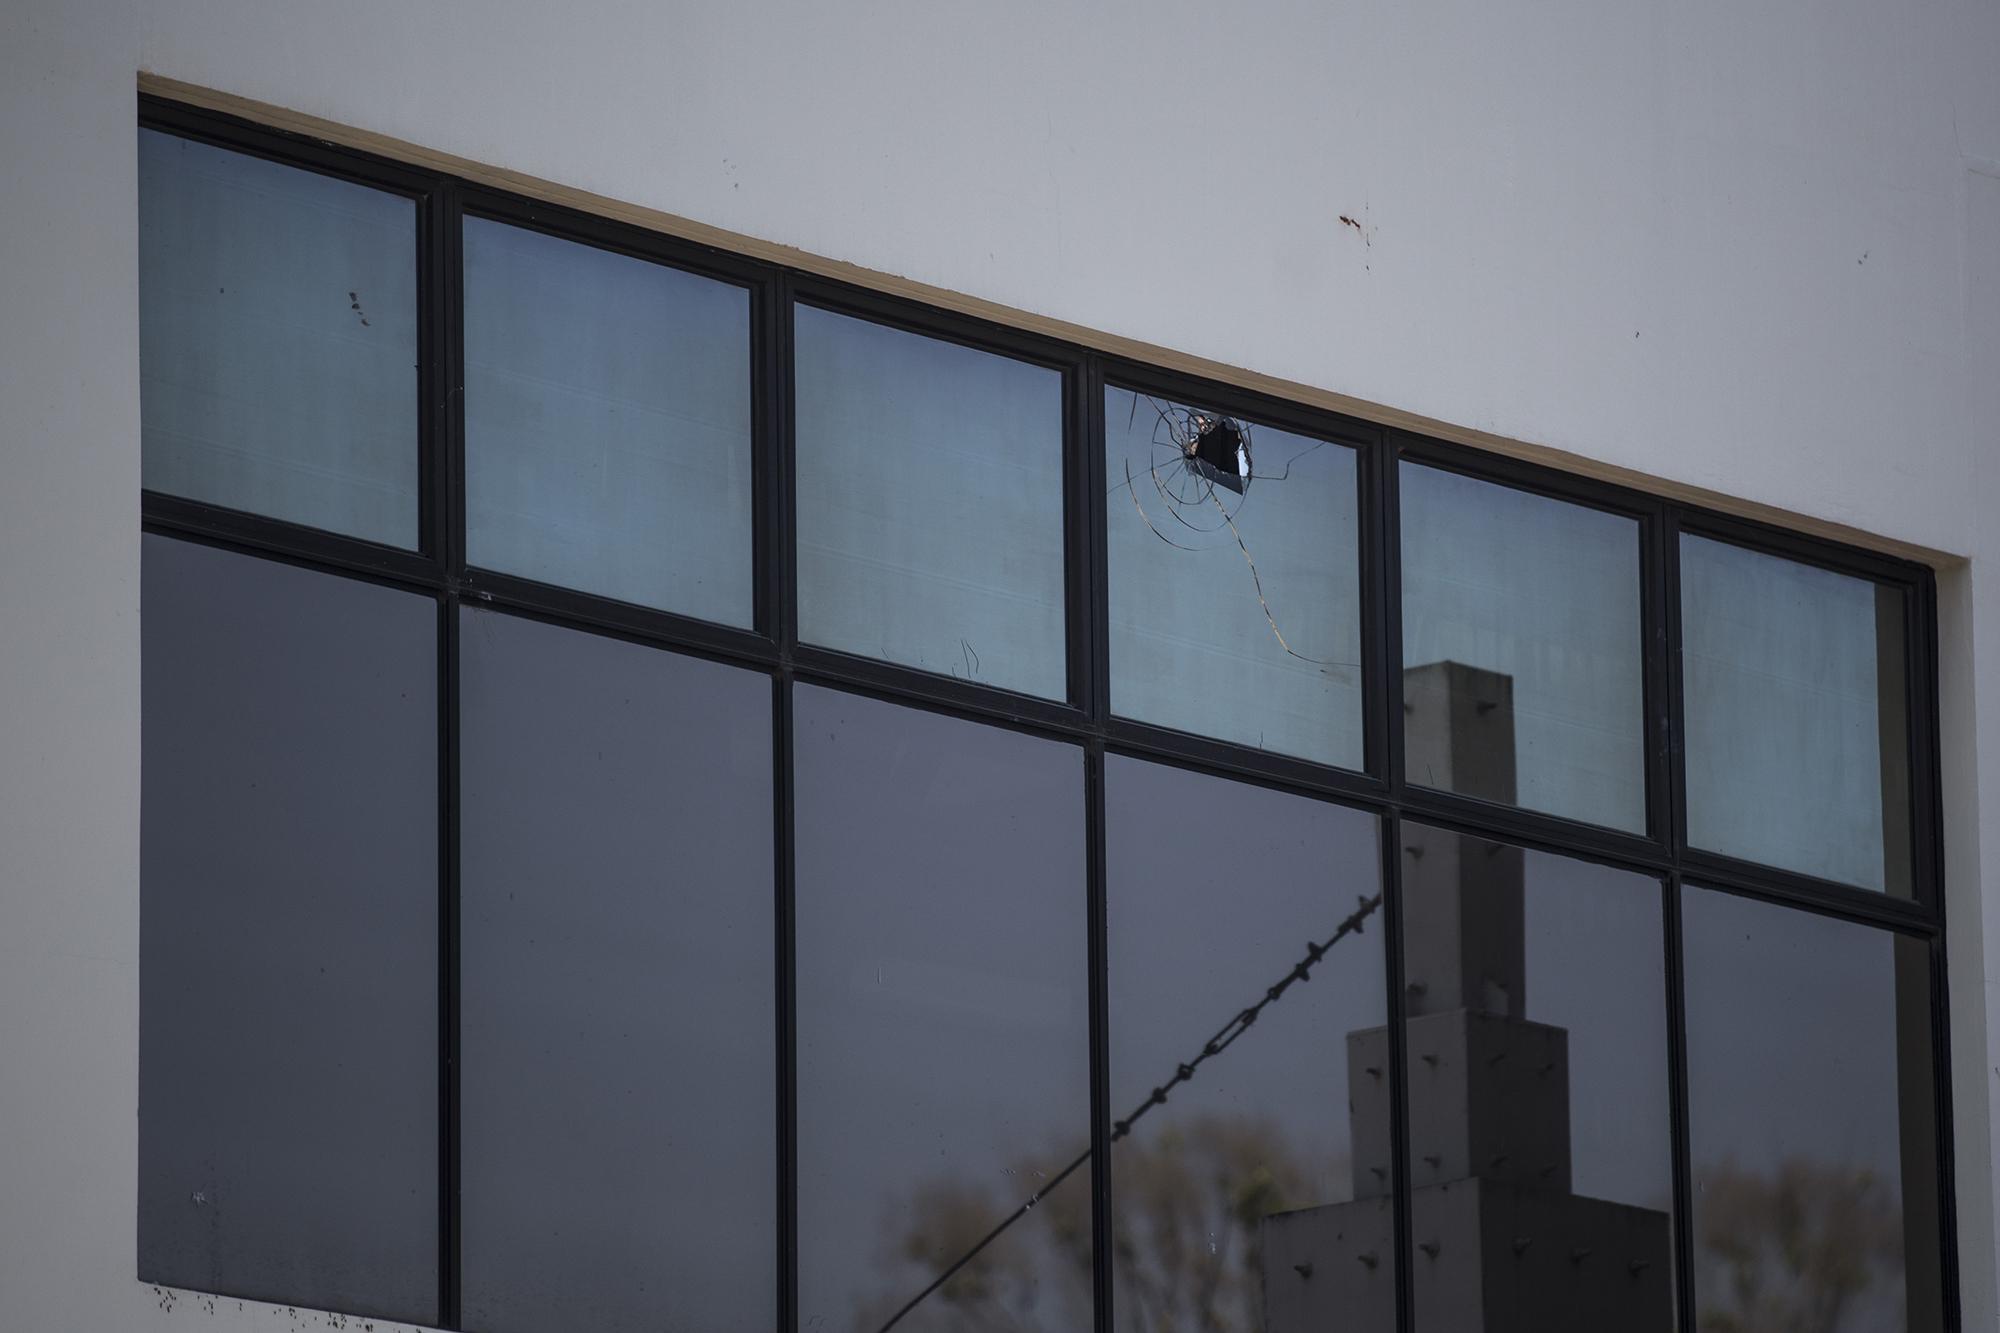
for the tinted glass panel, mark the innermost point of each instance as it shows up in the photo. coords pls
(1273, 1159)
(277, 340)
(289, 945)
(1235, 586)
(943, 1039)
(1522, 676)
(1797, 719)
(1540, 1142)
(616, 947)
(607, 423)
(930, 503)
(1811, 1122)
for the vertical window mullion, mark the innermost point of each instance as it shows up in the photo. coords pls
(449, 1231)
(1658, 593)
(1097, 697)
(1386, 619)
(1927, 836)
(1090, 677)
(1080, 644)
(786, 1042)
(1381, 697)
(442, 298)
(1676, 720)
(1100, 1049)
(1942, 1110)
(768, 575)
(1683, 1221)
(778, 617)
(1920, 637)
(1399, 1099)
(780, 457)
(1382, 702)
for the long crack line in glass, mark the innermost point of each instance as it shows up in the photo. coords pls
(1195, 452)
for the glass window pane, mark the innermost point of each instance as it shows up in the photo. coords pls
(289, 944)
(1522, 674)
(618, 1087)
(607, 423)
(1235, 586)
(1797, 718)
(930, 504)
(277, 340)
(1811, 1122)
(943, 1034)
(1540, 1137)
(1257, 1195)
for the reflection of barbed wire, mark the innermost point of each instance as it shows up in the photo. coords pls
(1224, 1037)
(1195, 454)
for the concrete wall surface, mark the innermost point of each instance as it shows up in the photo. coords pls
(1754, 249)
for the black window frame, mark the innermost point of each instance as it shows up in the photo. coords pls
(438, 568)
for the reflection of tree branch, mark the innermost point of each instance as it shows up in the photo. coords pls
(1796, 1249)
(1185, 1239)
(1224, 1037)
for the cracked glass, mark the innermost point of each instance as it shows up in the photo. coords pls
(1235, 579)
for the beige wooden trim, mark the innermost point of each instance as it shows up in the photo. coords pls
(1111, 344)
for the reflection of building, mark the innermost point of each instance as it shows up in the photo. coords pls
(1500, 1240)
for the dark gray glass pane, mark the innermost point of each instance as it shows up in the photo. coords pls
(943, 1035)
(607, 423)
(277, 340)
(288, 1054)
(1811, 1122)
(618, 1086)
(1257, 1195)
(1522, 672)
(930, 503)
(1235, 585)
(1797, 716)
(1540, 1136)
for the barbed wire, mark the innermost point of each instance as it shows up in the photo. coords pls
(1223, 1039)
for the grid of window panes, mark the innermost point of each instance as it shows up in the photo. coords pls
(678, 794)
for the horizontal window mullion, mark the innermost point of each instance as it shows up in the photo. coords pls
(252, 534)
(939, 694)
(565, 606)
(1535, 830)
(1244, 762)
(1863, 906)
(246, 136)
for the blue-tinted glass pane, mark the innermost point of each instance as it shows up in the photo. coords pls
(277, 340)
(1811, 1122)
(1797, 716)
(607, 423)
(1523, 679)
(943, 1033)
(288, 1061)
(618, 1089)
(1235, 583)
(930, 504)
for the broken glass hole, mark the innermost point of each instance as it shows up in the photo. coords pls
(1195, 452)
(1219, 451)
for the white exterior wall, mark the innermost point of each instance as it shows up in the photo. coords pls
(1749, 248)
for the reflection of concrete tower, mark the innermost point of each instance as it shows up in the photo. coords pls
(1501, 1244)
